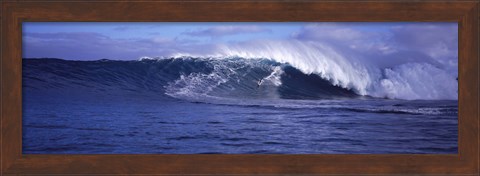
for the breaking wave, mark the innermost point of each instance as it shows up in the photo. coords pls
(394, 76)
(196, 78)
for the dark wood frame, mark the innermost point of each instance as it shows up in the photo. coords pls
(466, 13)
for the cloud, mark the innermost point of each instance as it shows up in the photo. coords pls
(343, 35)
(126, 28)
(121, 28)
(92, 46)
(66, 36)
(153, 33)
(437, 41)
(329, 31)
(219, 31)
(434, 43)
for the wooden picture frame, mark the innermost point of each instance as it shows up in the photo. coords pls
(13, 13)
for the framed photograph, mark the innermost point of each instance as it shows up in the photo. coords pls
(240, 87)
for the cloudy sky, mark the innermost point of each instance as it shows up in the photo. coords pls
(437, 42)
(129, 41)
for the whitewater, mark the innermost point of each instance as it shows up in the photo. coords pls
(384, 76)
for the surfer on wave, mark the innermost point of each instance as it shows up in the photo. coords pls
(259, 83)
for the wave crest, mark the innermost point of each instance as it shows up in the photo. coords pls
(420, 78)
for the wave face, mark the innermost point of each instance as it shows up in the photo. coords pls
(183, 78)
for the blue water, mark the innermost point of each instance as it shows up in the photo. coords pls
(113, 107)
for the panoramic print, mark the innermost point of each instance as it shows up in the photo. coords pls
(239, 88)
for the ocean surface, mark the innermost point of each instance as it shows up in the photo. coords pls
(210, 105)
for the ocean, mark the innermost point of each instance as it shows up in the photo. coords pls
(231, 105)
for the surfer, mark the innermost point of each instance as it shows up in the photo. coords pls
(259, 83)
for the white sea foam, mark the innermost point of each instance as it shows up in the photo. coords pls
(416, 81)
(274, 78)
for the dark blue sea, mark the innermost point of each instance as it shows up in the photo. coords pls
(204, 106)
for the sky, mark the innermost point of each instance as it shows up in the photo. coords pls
(434, 41)
(129, 41)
